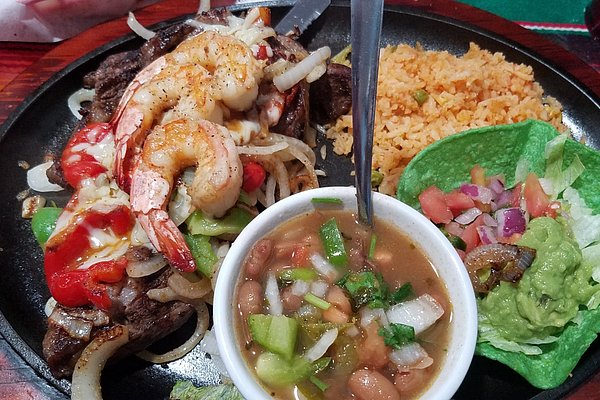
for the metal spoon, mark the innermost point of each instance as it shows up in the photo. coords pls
(366, 19)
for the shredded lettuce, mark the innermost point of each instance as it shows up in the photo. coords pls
(556, 179)
(585, 225)
(185, 390)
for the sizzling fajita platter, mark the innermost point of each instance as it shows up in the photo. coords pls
(184, 136)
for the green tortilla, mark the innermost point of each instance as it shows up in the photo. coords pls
(448, 162)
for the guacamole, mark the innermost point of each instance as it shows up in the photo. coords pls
(549, 294)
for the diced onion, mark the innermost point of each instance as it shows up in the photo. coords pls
(138, 269)
(411, 356)
(138, 28)
(187, 289)
(300, 288)
(368, 315)
(263, 150)
(272, 296)
(320, 347)
(78, 328)
(323, 266)
(487, 234)
(510, 221)
(180, 206)
(476, 192)
(319, 288)
(50, 305)
(202, 318)
(31, 205)
(420, 313)
(86, 376)
(38, 180)
(74, 101)
(468, 216)
(299, 71)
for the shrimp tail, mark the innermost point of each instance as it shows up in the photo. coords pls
(168, 239)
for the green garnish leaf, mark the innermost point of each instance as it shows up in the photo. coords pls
(402, 293)
(321, 364)
(203, 254)
(326, 200)
(185, 390)
(397, 335)
(318, 383)
(366, 289)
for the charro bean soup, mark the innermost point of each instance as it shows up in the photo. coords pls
(330, 310)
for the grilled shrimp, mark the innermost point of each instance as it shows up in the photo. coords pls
(203, 74)
(216, 187)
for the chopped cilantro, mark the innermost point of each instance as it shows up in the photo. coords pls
(397, 335)
(369, 289)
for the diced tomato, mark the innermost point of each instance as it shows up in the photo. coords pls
(516, 195)
(434, 205)
(262, 54)
(478, 175)
(458, 202)
(470, 235)
(254, 176)
(535, 198)
(300, 255)
(553, 208)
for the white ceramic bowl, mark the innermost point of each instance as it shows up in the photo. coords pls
(463, 324)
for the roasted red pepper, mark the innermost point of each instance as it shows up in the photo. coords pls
(76, 162)
(74, 287)
(254, 176)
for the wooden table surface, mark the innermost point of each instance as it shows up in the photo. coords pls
(25, 66)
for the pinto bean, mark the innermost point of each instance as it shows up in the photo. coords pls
(370, 385)
(373, 352)
(338, 298)
(290, 301)
(250, 298)
(409, 380)
(340, 309)
(258, 258)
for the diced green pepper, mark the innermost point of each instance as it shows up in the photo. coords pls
(44, 222)
(317, 301)
(420, 96)
(276, 371)
(372, 245)
(333, 243)
(235, 220)
(203, 254)
(376, 178)
(276, 333)
(318, 383)
(298, 274)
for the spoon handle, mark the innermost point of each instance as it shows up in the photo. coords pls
(366, 19)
